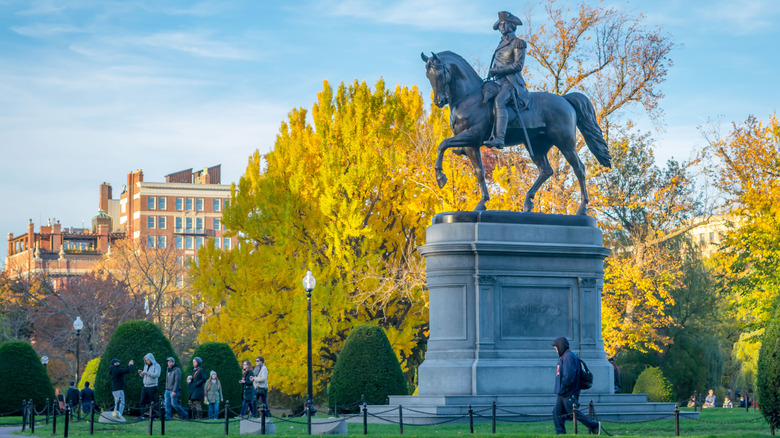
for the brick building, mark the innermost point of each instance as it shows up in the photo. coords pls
(183, 211)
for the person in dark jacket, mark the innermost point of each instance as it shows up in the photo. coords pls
(117, 374)
(87, 397)
(196, 386)
(72, 397)
(248, 392)
(173, 390)
(567, 389)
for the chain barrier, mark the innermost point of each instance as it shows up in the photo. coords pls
(722, 422)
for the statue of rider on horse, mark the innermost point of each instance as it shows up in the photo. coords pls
(538, 120)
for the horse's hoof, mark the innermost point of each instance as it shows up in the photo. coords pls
(583, 210)
(528, 207)
(441, 179)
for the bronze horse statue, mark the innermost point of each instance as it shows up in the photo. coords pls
(455, 83)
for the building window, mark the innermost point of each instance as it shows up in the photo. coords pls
(179, 204)
(189, 204)
(199, 204)
(217, 242)
(150, 222)
(150, 241)
(161, 241)
(226, 243)
(199, 224)
(150, 202)
(712, 236)
(180, 281)
(215, 204)
(198, 242)
(161, 203)
(178, 225)
(161, 222)
(189, 225)
(216, 224)
(701, 238)
(179, 242)
(188, 241)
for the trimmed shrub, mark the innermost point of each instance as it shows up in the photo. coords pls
(367, 365)
(22, 377)
(219, 357)
(132, 340)
(653, 383)
(768, 381)
(90, 372)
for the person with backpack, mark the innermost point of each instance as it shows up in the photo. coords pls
(568, 384)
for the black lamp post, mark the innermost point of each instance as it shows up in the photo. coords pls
(308, 285)
(78, 324)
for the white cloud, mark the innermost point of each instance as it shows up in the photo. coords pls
(744, 18)
(41, 30)
(193, 43)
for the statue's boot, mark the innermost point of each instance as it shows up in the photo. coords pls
(498, 140)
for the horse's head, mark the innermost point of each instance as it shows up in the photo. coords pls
(439, 76)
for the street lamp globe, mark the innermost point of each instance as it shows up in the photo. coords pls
(44, 360)
(78, 324)
(309, 282)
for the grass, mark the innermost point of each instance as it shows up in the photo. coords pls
(713, 423)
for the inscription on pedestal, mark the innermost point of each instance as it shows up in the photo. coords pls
(535, 312)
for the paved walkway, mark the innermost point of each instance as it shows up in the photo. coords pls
(6, 431)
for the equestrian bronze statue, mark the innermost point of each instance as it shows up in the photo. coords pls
(540, 121)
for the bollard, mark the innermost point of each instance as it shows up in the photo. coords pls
(92, 408)
(32, 416)
(591, 410)
(676, 420)
(262, 421)
(471, 419)
(695, 402)
(162, 417)
(307, 408)
(227, 416)
(54, 421)
(151, 418)
(365, 418)
(772, 430)
(574, 418)
(494, 417)
(47, 410)
(67, 419)
(24, 415)
(401, 419)
(78, 409)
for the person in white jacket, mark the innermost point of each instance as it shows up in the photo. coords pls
(260, 382)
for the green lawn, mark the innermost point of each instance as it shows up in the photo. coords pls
(712, 423)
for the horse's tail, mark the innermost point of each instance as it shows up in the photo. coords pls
(586, 122)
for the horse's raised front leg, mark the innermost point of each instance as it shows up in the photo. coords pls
(465, 138)
(475, 156)
(545, 172)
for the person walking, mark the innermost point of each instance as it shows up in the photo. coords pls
(87, 397)
(117, 374)
(151, 375)
(260, 382)
(567, 389)
(173, 390)
(196, 385)
(213, 395)
(248, 404)
(72, 397)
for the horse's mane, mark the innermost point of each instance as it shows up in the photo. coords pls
(453, 58)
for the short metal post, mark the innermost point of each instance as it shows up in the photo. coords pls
(54, 420)
(162, 417)
(78, 409)
(151, 418)
(32, 416)
(262, 421)
(227, 416)
(67, 421)
(48, 407)
(401, 419)
(24, 415)
(591, 411)
(471, 419)
(676, 420)
(365, 419)
(92, 408)
(772, 430)
(494, 417)
(574, 418)
(695, 402)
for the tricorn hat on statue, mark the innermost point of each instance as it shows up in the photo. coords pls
(509, 18)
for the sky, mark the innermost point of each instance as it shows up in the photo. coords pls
(91, 90)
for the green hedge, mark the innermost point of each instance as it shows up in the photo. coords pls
(367, 366)
(219, 357)
(22, 377)
(768, 381)
(132, 340)
(653, 383)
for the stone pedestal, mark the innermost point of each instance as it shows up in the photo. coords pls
(502, 286)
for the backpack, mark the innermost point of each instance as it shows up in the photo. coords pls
(586, 377)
